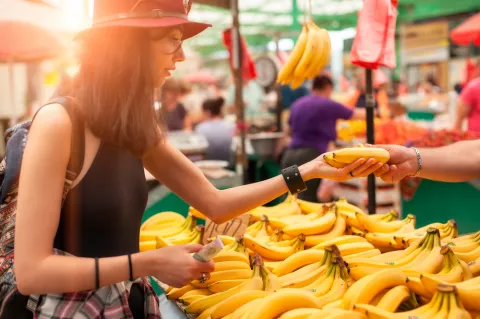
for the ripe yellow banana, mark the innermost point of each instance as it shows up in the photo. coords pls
(297, 261)
(176, 293)
(223, 275)
(163, 218)
(187, 225)
(339, 285)
(309, 270)
(310, 207)
(288, 69)
(393, 298)
(364, 290)
(364, 254)
(282, 301)
(148, 245)
(246, 309)
(311, 48)
(336, 231)
(254, 283)
(231, 304)
(315, 226)
(300, 313)
(287, 208)
(474, 267)
(379, 226)
(335, 305)
(274, 252)
(351, 154)
(469, 256)
(224, 285)
(230, 265)
(328, 158)
(341, 240)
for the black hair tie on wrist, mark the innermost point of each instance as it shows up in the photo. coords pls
(130, 268)
(293, 179)
(97, 274)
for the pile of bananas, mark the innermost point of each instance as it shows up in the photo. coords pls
(309, 56)
(169, 228)
(308, 260)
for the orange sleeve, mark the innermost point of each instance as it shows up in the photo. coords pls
(384, 107)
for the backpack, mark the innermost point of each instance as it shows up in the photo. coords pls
(15, 139)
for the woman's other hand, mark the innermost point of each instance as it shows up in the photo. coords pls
(175, 265)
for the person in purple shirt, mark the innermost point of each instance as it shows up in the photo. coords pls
(312, 126)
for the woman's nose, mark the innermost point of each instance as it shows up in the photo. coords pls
(179, 56)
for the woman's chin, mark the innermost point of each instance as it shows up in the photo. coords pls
(160, 82)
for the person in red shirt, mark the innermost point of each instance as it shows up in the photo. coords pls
(469, 106)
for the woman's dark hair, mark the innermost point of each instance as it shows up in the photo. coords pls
(115, 88)
(321, 82)
(214, 106)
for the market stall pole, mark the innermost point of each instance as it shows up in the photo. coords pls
(370, 107)
(374, 46)
(238, 80)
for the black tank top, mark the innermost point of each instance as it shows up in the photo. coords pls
(108, 204)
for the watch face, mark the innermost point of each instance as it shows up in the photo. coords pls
(266, 71)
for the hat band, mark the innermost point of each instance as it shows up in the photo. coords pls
(157, 13)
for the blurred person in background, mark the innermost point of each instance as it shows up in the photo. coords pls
(468, 107)
(172, 110)
(312, 127)
(219, 133)
(358, 98)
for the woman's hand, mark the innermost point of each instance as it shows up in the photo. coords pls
(175, 265)
(402, 163)
(318, 168)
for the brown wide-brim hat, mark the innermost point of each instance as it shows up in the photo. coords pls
(146, 14)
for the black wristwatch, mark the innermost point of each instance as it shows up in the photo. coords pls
(293, 179)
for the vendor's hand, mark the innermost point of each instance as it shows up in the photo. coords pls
(318, 168)
(175, 266)
(402, 163)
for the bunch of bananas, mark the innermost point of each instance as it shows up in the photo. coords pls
(169, 228)
(309, 260)
(309, 56)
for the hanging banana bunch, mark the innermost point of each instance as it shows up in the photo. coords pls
(309, 56)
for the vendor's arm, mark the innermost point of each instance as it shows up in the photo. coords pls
(182, 177)
(457, 162)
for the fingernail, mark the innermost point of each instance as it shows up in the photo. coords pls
(385, 167)
(362, 160)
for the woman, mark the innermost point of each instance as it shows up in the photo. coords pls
(128, 53)
(218, 132)
(173, 111)
(312, 126)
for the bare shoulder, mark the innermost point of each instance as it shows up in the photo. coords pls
(53, 117)
(51, 129)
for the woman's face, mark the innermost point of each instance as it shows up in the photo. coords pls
(167, 51)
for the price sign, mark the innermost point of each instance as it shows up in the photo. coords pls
(234, 227)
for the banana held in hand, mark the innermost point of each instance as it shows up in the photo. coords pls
(351, 154)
